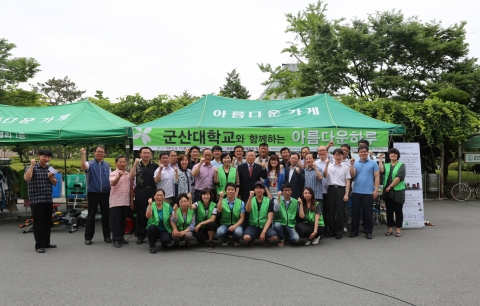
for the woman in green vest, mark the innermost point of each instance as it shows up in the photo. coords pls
(311, 225)
(393, 190)
(184, 221)
(205, 218)
(225, 174)
(159, 225)
(261, 211)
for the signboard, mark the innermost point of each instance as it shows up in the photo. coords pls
(276, 138)
(472, 158)
(413, 210)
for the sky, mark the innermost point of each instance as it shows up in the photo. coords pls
(166, 47)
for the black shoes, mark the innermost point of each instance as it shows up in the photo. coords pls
(51, 246)
(107, 240)
(139, 241)
(369, 235)
(124, 241)
(117, 244)
(353, 234)
(88, 242)
(40, 250)
(153, 250)
(339, 236)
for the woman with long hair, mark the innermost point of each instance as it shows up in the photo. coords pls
(310, 213)
(275, 177)
(183, 177)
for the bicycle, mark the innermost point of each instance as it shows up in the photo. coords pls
(462, 192)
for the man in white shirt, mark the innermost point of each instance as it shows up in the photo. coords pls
(338, 175)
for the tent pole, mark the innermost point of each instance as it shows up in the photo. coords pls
(65, 172)
(127, 152)
(459, 160)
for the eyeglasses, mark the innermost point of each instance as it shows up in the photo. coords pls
(287, 190)
(100, 152)
(322, 150)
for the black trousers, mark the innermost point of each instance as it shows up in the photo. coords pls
(95, 199)
(336, 209)
(394, 207)
(202, 233)
(363, 203)
(141, 202)
(304, 230)
(42, 223)
(118, 216)
(153, 233)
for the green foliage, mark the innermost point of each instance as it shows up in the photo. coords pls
(234, 88)
(58, 91)
(453, 95)
(19, 97)
(138, 110)
(436, 121)
(385, 56)
(15, 70)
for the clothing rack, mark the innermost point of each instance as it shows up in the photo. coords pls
(4, 167)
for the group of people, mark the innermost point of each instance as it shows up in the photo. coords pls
(239, 196)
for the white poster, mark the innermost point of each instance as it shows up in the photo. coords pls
(413, 211)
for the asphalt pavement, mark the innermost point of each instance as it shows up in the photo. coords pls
(435, 265)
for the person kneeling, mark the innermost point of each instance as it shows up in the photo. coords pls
(310, 211)
(205, 218)
(184, 220)
(232, 212)
(285, 217)
(160, 224)
(261, 217)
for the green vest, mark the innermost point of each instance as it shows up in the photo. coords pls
(287, 217)
(166, 216)
(202, 214)
(230, 217)
(222, 178)
(181, 223)
(310, 216)
(399, 186)
(259, 218)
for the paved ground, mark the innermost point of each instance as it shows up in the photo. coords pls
(436, 265)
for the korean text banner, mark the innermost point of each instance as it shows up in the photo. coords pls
(277, 138)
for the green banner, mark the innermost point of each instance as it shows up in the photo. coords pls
(159, 139)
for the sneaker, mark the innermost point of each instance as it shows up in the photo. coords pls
(236, 244)
(316, 240)
(344, 229)
(308, 242)
(225, 244)
(210, 245)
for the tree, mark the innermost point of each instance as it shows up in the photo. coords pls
(138, 110)
(19, 97)
(59, 91)
(233, 88)
(17, 69)
(384, 56)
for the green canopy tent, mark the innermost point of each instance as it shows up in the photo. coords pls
(76, 123)
(294, 123)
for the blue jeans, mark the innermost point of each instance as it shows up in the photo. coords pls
(283, 230)
(223, 233)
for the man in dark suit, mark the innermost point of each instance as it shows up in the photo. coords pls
(295, 176)
(249, 173)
